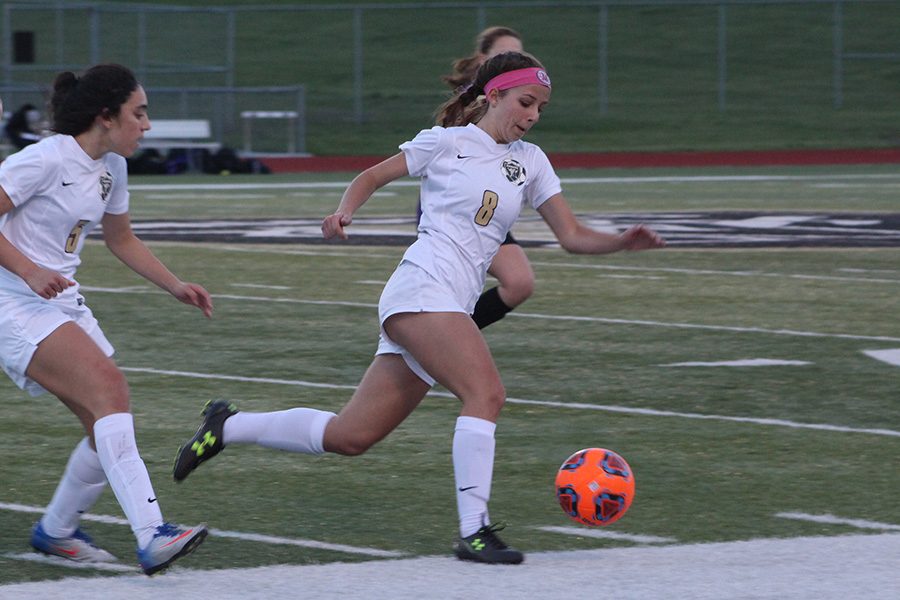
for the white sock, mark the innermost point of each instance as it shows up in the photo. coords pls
(127, 474)
(81, 485)
(295, 430)
(473, 468)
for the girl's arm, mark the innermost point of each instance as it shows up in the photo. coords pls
(43, 282)
(126, 246)
(360, 190)
(577, 238)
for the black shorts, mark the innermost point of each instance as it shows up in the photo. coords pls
(509, 240)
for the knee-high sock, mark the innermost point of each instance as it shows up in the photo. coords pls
(82, 483)
(295, 430)
(490, 308)
(127, 474)
(473, 468)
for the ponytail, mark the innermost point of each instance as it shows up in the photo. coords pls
(468, 105)
(464, 68)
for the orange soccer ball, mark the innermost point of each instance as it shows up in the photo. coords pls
(595, 486)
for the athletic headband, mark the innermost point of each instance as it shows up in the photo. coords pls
(511, 79)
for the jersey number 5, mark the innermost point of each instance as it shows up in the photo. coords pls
(72, 240)
(489, 202)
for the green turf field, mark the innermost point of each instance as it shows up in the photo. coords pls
(718, 452)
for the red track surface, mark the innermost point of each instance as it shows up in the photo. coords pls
(750, 158)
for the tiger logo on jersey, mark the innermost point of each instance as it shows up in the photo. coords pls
(514, 171)
(106, 182)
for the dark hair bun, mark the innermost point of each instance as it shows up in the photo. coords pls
(65, 81)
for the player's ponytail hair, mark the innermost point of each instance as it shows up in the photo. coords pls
(468, 105)
(77, 101)
(464, 68)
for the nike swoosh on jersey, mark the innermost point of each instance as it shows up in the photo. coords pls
(67, 183)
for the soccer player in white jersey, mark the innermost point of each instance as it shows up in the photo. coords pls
(510, 267)
(475, 180)
(52, 194)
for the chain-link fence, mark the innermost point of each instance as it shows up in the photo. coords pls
(370, 69)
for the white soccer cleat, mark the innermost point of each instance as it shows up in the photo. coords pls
(78, 547)
(169, 543)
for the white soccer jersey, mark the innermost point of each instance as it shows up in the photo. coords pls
(472, 192)
(60, 194)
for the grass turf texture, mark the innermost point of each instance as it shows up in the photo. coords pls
(697, 480)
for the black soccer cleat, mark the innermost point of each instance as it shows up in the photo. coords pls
(207, 442)
(484, 546)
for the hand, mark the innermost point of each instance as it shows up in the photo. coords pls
(46, 283)
(333, 225)
(195, 295)
(641, 237)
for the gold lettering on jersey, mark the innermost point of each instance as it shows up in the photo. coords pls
(106, 182)
(75, 235)
(514, 171)
(489, 202)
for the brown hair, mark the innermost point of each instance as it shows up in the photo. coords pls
(464, 68)
(465, 106)
(77, 101)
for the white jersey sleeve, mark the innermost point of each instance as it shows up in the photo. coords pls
(544, 182)
(27, 173)
(117, 203)
(422, 149)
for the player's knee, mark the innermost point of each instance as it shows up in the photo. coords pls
(488, 403)
(497, 398)
(518, 289)
(113, 394)
(351, 446)
(342, 440)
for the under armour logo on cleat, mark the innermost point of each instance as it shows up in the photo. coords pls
(199, 447)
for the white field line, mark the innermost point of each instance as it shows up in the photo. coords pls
(649, 412)
(808, 568)
(261, 286)
(248, 537)
(606, 534)
(833, 520)
(714, 272)
(891, 356)
(145, 290)
(747, 362)
(853, 185)
(737, 329)
(156, 187)
(290, 252)
(58, 561)
(853, 270)
(602, 267)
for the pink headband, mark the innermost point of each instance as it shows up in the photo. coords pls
(511, 79)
